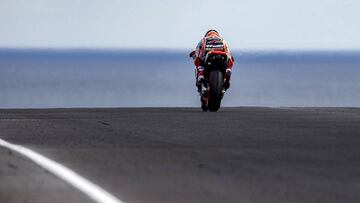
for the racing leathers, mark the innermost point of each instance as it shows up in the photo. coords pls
(211, 42)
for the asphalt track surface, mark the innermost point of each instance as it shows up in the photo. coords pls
(247, 154)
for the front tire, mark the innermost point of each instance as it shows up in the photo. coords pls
(216, 84)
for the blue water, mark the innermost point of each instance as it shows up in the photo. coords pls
(83, 78)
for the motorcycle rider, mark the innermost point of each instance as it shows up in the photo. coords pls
(212, 41)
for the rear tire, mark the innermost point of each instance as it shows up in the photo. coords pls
(216, 83)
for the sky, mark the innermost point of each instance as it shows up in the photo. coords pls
(179, 24)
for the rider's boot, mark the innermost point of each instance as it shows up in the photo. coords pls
(227, 79)
(204, 90)
(200, 79)
(200, 83)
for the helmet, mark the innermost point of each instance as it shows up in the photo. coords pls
(211, 32)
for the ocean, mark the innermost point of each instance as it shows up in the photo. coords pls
(165, 78)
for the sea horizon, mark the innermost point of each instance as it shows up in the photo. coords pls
(57, 78)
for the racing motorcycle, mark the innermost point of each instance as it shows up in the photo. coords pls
(213, 90)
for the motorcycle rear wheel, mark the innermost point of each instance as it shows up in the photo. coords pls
(216, 84)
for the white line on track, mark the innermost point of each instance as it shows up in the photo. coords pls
(90, 189)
